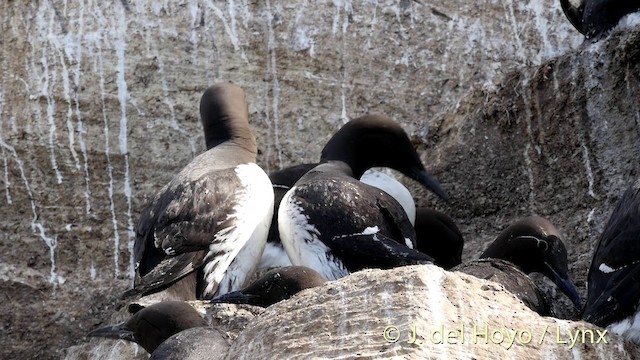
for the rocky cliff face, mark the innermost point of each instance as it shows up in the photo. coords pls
(413, 312)
(417, 312)
(99, 107)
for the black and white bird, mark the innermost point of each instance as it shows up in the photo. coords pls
(614, 276)
(274, 254)
(532, 244)
(595, 18)
(335, 224)
(202, 235)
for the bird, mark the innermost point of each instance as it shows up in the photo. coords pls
(512, 278)
(595, 18)
(335, 224)
(282, 180)
(532, 244)
(438, 236)
(274, 254)
(274, 286)
(151, 326)
(208, 226)
(613, 291)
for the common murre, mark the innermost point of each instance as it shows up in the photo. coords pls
(151, 326)
(208, 226)
(274, 254)
(529, 245)
(335, 224)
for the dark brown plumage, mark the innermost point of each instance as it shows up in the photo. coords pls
(275, 286)
(529, 245)
(202, 230)
(150, 326)
(438, 236)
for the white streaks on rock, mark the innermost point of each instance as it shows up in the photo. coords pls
(36, 224)
(526, 98)
(96, 40)
(233, 29)
(344, 80)
(299, 39)
(7, 183)
(194, 10)
(77, 56)
(587, 166)
(520, 50)
(229, 29)
(93, 272)
(591, 85)
(540, 11)
(372, 23)
(45, 81)
(59, 47)
(273, 113)
(123, 97)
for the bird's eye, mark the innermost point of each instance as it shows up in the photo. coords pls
(543, 245)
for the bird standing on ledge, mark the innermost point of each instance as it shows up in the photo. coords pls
(335, 224)
(203, 234)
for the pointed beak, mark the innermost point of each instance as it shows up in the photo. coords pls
(235, 297)
(567, 287)
(118, 331)
(430, 183)
(574, 14)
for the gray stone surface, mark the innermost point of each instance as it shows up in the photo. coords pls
(193, 344)
(417, 312)
(98, 108)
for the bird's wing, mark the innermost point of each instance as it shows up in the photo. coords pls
(614, 275)
(360, 251)
(178, 227)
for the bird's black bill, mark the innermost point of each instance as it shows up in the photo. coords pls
(574, 14)
(235, 297)
(567, 287)
(430, 183)
(118, 331)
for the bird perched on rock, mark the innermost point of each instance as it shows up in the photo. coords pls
(274, 286)
(532, 244)
(208, 227)
(595, 18)
(614, 276)
(274, 254)
(151, 326)
(335, 224)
